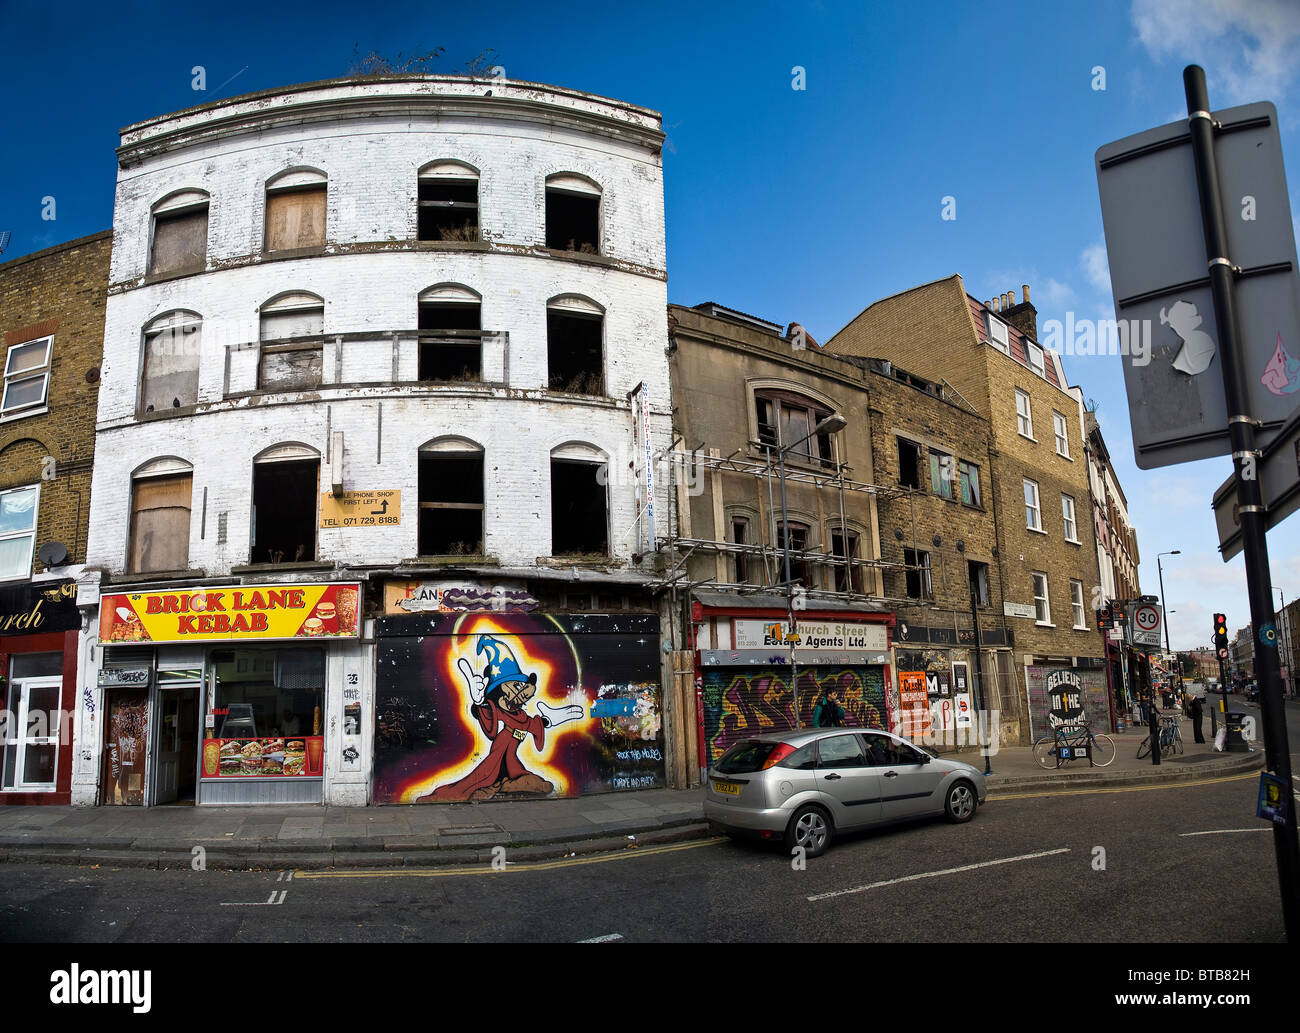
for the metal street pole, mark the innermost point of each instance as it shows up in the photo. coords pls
(1288, 641)
(1241, 430)
(979, 674)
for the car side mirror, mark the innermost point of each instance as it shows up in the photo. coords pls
(925, 758)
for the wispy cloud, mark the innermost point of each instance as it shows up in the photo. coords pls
(1095, 267)
(1253, 42)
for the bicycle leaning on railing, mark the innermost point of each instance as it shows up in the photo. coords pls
(1171, 738)
(1062, 746)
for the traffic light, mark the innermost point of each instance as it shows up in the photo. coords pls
(1220, 630)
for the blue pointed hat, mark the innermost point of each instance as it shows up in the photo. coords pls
(502, 665)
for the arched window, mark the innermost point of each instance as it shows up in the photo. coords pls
(798, 544)
(451, 333)
(180, 233)
(572, 213)
(285, 363)
(286, 487)
(579, 501)
(160, 516)
(846, 551)
(172, 344)
(788, 420)
(448, 199)
(295, 210)
(575, 348)
(451, 497)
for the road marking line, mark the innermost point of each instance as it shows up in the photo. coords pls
(257, 903)
(603, 939)
(542, 866)
(995, 795)
(931, 875)
(1220, 832)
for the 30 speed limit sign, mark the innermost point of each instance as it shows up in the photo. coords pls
(1146, 618)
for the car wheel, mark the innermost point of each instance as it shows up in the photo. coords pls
(960, 803)
(810, 828)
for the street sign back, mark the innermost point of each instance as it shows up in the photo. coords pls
(1163, 303)
(1278, 469)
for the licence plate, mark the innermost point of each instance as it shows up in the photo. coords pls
(730, 788)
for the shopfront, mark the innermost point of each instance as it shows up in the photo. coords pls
(749, 666)
(227, 695)
(39, 625)
(1067, 690)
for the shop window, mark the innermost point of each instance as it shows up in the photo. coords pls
(286, 485)
(909, 464)
(265, 698)
(451, 499)
(295, 211)
(579, 508)
(160, 518)
(448, 203)
(27, 377)
(918, 574)
(35, 718)
(788, 420)
(798, 544)
(286, 363)
(575, 330)
(572, 214)
(451, 338)
(979, 582)
(942, 475)
(848, 575)
(180, 234)
(969, 475)
(18, 508)
(740, 536)
(172, 344)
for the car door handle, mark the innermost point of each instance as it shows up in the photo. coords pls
(832, 777)
(891, 774)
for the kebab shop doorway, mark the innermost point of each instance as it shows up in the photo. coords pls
(176, 738)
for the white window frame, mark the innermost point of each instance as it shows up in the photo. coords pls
(1046, 618)
(30, 535)
(1036, 509)
(1076, 604)
(19, 740)
(10, 378)
(1034, 352)
(1061, 426)
(1071, 521)
(1024, 416)
(998, 336)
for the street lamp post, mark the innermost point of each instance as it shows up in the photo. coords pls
(1164, 614)
(832, 423)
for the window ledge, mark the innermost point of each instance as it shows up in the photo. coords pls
(24, 415)
(576, 256)
(1027, 437)
(174, 274)
(293, 252)
(131, 577)
(1065, 455)
(1044, 624)
(270, 568)
(1037, 530)
(449, 560)
(1074, 541)
(581, 560)
(452, 245)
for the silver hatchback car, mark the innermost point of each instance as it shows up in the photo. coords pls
(805, 787)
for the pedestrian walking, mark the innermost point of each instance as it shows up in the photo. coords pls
(828, 713)
(1198, 713)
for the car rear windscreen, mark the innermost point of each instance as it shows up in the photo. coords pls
(745, 757)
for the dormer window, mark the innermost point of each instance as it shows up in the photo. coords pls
(998, 336)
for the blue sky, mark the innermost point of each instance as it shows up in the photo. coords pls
(792, 204)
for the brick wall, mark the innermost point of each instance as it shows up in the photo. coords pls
(60, 290)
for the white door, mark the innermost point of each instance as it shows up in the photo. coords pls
(31, 755)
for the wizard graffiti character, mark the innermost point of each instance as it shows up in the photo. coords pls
(497, 698)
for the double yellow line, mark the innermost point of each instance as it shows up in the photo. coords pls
(995, 795)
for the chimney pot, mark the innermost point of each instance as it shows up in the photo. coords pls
(1012, 296)
(1025, 290)
(1005, 306)
(995, 304)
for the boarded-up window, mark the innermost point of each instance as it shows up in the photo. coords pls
(295, 218)
(171, 362)
(291, 366)
(180, 241)
(160, 524)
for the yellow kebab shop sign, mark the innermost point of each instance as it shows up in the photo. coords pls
(240, 613)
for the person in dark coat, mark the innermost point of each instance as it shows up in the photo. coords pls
(1198, 713)
(829, 713)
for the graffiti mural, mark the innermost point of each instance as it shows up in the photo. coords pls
(506, 706)
(744, 701)
(1092, 683)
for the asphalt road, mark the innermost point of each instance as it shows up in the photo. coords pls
(1127, 866)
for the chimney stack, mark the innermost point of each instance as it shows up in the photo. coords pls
(1024, 317)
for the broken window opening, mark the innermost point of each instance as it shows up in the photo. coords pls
(448, 209)
(451, 341)
(787, 421)
(918, 574)
(979, 581)
(284, 366)
(579, 525)
(284, 511)
(572, 221)
(575, 352)
(740, 536)
(909, 464)
(848, 575)
(451, 503)
(798, 543)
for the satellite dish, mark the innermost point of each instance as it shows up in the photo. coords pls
(53, 554)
